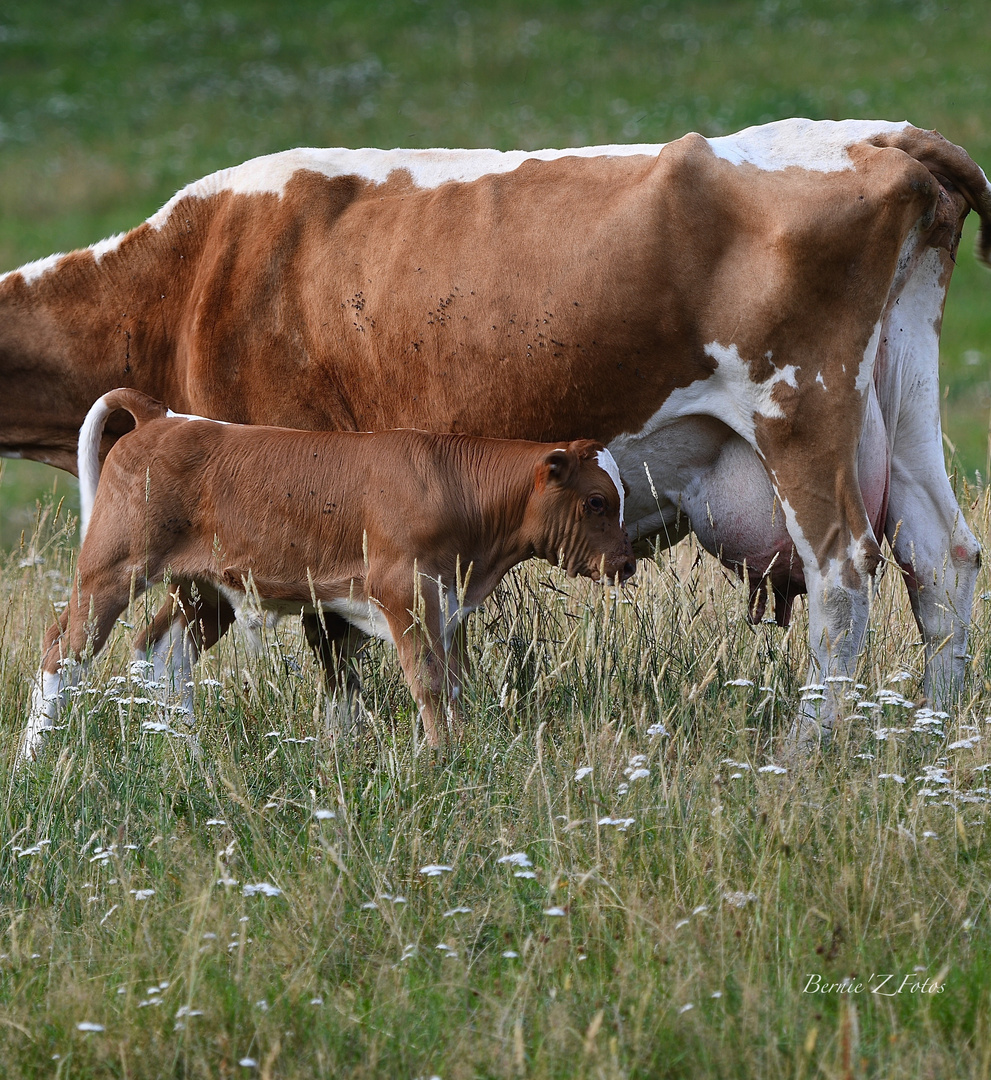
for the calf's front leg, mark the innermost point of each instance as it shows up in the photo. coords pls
(431, 661)
(98, 596)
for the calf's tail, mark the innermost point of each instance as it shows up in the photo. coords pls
(140, 406)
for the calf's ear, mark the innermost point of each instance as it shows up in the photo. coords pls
(559, 466)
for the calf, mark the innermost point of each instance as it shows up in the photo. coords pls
(397, 533)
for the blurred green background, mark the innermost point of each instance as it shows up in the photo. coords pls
(106, 109)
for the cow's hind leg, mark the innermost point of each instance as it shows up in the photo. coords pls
(931, 542)
(937, 553)
(335, 643)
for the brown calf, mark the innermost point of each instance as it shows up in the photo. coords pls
(398, 533)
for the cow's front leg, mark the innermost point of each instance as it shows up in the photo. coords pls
(335, 643)
(826, 519)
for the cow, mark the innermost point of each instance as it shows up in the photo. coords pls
(400, 533)
(750, 322)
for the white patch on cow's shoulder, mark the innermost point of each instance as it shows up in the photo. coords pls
(607, 463)
(819, 145)
(192, 416)
(730, 394)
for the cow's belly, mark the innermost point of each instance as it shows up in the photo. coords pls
(696, 473)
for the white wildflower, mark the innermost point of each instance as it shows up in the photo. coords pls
(621, 823)
(555, 912)
(584, 771)
(88, 1025)
(262, 888)
(740, 899)
(518, 858)
(435, 870)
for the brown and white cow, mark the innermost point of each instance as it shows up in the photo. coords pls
(751, 322)
(399, 533)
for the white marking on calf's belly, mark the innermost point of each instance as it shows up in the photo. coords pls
(364, 614)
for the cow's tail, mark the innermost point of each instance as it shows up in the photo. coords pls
(953, 167)
(140, 406)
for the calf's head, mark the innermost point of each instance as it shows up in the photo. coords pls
(576, 513)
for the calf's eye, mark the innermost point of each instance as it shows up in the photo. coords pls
(596, 504)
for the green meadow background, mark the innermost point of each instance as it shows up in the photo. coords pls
(106, 109)
(614, 873)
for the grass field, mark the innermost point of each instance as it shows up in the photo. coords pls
(612, 875)
(669, 901)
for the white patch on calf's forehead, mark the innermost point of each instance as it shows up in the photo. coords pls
(607, 463)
